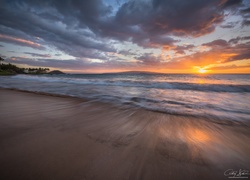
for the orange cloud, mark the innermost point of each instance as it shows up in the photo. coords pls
(20, 41)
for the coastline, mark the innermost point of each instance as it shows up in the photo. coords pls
(46, 136)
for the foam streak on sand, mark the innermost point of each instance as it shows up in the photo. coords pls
(45, 137)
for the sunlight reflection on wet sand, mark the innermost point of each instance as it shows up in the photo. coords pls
(197, 136)
(100, 141)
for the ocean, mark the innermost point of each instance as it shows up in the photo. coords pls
(225, 97)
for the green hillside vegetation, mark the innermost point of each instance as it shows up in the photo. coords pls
(10, 69)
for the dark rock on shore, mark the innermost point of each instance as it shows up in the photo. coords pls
(56, 72)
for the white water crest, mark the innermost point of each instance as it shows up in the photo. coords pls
(210, 96)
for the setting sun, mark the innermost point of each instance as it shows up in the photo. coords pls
(202, 71)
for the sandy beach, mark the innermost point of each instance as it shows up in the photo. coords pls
(49, 137)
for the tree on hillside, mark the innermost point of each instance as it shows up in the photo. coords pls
(1, 59)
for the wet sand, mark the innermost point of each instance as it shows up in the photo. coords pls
(47, 137)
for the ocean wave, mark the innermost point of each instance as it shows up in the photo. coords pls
(221, 101)
(206, 110)
(139, 84)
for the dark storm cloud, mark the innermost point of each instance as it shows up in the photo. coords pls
(234, 40)
(245, 11)
(15, 33)
(238, 49)
(242, 56)
(144, 22)
(218, 42)
(195, 18)
(229, 25)
(245, 38)
(23, 17)
(246, 15)
(87, 29)
(38, 55)
(182, 49)
(246, 22)
(241, 50)
(159, 41)
(139, 21)
(127, 52)
(232, 3)
(238, 39)
(219, 52)
(149, 59)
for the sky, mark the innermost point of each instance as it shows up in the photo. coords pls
(97, 36)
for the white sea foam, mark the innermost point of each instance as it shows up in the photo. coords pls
(224, 97)
(136, 83)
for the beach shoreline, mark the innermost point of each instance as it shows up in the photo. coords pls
(44, 136)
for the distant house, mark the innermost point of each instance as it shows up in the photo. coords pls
(30, 71)
(26, 71)
(33, 71)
